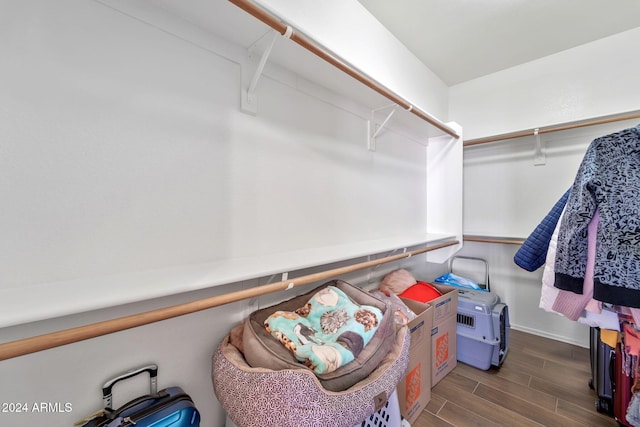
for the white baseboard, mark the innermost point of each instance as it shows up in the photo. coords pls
(580, 343)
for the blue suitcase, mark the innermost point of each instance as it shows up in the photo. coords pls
(170, 407)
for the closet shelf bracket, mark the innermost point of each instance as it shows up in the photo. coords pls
(539, 157)
(285, 277)
(249, 102)
(372, 134)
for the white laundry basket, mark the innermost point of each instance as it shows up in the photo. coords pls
(388, 416)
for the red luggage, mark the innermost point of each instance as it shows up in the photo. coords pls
(626, 376)
(621, 388)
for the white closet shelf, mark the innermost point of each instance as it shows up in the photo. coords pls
(42, 301)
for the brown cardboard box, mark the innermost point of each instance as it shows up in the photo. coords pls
(414, 391)
(443, 332)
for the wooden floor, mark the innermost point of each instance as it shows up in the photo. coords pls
(542, 382)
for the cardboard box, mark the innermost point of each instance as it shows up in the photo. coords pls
(414, 391)
(443, 332)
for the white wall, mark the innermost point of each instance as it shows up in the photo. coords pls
(505, 194)
(125, 156)
(350, 31)
(123, 152)
(592, 80)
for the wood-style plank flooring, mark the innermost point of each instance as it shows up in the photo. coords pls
(542, 382)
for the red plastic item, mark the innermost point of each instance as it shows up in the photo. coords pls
(421, 291)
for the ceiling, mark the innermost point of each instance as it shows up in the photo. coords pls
(458, 40)
(463, 39)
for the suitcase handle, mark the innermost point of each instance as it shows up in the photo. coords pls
(487, 286)
(152, 369)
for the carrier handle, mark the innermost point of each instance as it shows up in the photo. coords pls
(484, 261)
(152, 369)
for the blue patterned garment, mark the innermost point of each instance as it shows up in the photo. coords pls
(608, 179)
(533, 252)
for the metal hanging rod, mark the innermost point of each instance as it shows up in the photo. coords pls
(275, 23)
(47, 341)
(556, 128)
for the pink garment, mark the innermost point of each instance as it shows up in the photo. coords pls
(604, 319)
(569, 303)
(594, 306)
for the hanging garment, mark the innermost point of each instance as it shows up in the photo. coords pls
(533, 252)
(593, 315)
(609, 337)
(633, 411)
(549, 292)
(631, 340)
(608, 179)
(571, 304)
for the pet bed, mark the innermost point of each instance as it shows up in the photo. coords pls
(258, 397)
(262, 350)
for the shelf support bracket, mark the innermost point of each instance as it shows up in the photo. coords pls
(248, 100)
(373, 134)
(539, 158)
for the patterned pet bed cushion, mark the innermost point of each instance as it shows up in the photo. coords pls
(262, 350)
(329, 331)
(259, 397)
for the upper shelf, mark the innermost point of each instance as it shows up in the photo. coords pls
(366, 50)
(49, 300)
